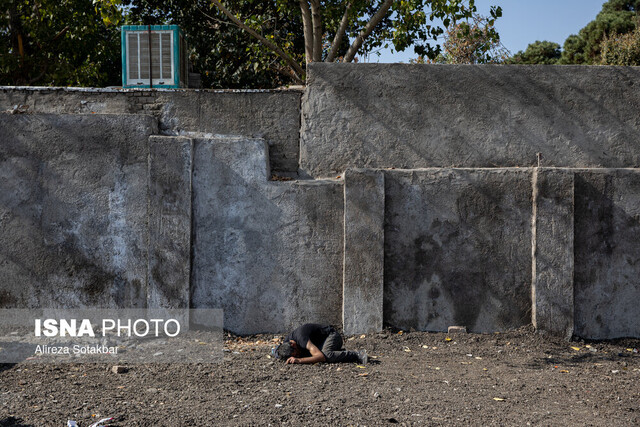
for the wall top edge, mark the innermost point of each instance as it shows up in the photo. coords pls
(128, 90)
(506, 168)
(402, 64)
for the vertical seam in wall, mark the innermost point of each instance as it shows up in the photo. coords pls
(573, 261)
(149, 222)
(344, 244)
(300, 100)
(191, 225)
(534, 220)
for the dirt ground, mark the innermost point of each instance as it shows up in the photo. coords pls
(413, 378)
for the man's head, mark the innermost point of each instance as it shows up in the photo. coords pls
(288, 349)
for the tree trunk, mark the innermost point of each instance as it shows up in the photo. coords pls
(375, 20)
(317, 30)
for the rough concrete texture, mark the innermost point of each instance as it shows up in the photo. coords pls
(73, 210)
(268, 253)
(271, 115)
(409, 116)
(170, 164)
(363, 279)
(458, 249)
(552, 263)
(607, 253)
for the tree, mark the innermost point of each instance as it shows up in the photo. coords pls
(474, 42)
(616, 17)
(337, 30)
(221, 52)
(540, 52)
(622, 49)
(59, 42)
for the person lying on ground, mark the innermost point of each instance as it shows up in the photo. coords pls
(315, 343)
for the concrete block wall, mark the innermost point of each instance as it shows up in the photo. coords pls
(269, 253)
(457, 249)
(415, 116)
(433, 212)
(73, 210)
(273, 115)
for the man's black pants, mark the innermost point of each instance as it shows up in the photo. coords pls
(334, 352)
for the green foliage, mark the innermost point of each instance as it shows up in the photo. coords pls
(409, 23)
(616, 17)
(228, 56)
(472, 42)
(540, 52)
(59, 43)
(622, 49)
(224, 55)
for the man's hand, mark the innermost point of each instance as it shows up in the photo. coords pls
(292, 360)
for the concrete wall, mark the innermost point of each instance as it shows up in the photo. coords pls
(414, 116)
(269, 253)
(607, 255)
(458, 249)
(99, 207)
(73, 210)
(273, 115)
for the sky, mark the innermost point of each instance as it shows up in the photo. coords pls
(524, 22)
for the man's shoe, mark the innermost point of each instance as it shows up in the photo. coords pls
(362, 357)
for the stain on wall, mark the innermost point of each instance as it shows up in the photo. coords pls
(457, 249)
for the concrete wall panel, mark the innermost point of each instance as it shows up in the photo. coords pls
(607, 253)
(363, 281)
(552, 246)
(73, 201)
(408, 116)
(170, 170)
(272, 115)
(268, 253)
(458, 249)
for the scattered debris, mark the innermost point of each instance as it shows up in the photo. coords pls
(100, 423)
(457, 330)
(119, 369)
(19, 109)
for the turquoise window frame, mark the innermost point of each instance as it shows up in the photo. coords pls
(177, 32)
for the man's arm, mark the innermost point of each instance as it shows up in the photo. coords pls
(316, 355)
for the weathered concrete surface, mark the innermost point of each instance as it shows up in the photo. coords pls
(408, 116)
(268, 253)
(458, 249)
(272, 115)
(170, 164)
(363, 279)
(73, 210)
(552, 263)
(607, 253)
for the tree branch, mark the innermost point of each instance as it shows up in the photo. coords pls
(286, 72)
(308, 30)
(317, 30)
(337, 40)
(282, 54)
(375, 20)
